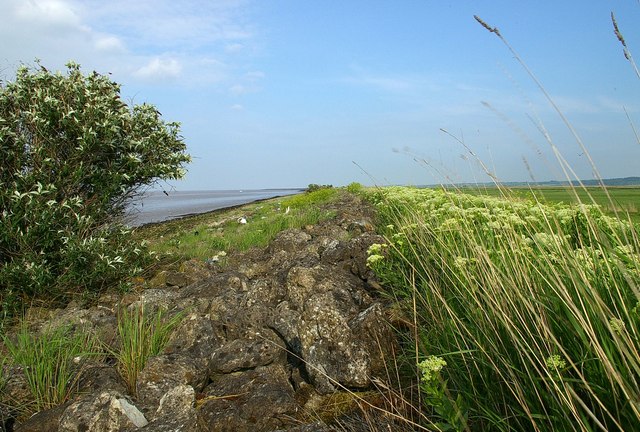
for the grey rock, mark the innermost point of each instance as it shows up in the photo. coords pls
(104, 412)
(165, 372)
(260, 399)
(256, 348)
(176, 411)
(290, 241)
(44, 421)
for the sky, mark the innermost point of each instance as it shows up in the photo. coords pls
(285, 93)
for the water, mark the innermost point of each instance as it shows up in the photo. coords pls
(156, 206)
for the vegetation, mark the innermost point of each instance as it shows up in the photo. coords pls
(529, 310)
(73, 154)
(207, 237)
(142, 335)
(314, 187)
(52, 362)
(619, 202)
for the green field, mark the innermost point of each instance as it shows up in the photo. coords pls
(622, 201)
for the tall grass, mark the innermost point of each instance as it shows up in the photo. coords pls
(52, 362)
(142, 335)
(534, 308)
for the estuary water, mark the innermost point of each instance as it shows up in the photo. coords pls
(157, 206)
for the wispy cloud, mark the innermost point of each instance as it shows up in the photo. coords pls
(160, 68)
(191, 41)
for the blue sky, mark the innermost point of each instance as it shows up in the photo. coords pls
(287, 93)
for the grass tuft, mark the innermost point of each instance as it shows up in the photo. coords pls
(142, 336)
(52, 362)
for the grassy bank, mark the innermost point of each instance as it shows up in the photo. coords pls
(526, 315)
(211, 236)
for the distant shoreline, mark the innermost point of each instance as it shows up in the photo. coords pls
(158, 207)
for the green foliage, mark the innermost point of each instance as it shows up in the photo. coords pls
(141, 336)
(52, 362)
(73, 155)
(437, 395)
(315, 187)
(355, 188)
(534, 306)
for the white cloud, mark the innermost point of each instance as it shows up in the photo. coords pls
(56, 13)
(150, 40)
(109, 43)
(237, 107)
(160, 69)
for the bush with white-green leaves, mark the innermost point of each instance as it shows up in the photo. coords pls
(73, 154)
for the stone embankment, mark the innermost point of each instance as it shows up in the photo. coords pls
(267, 339)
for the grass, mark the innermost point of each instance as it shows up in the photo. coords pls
(616, 201)
(530, 311)
(142, 336)
(52, 362)
(206, 236)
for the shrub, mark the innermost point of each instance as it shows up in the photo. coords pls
(316, 187)
(73, 155)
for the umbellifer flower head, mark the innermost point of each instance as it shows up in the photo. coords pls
(431, 367)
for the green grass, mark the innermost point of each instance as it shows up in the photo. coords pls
(205, 236)
(141, 336)
(52, 362)
(618, 201)
(534, 308)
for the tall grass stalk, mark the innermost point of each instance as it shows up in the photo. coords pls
(52, 362)
(142, 336)
(535, 308)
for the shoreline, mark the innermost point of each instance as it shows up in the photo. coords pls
(157, 208)
(210, 212)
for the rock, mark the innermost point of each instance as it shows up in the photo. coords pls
(44, 421)
(97, 377)
(290, 241)
(260, 399)
(256, 348)
(176, 411)
(16, 391)
(165, 372)
(104, 412)
(178, 279)
(264, 339)
(197, 336)
(312, 427)
(159, 280)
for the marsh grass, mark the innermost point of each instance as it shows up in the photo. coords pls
(52, 362)
(141, 335)
(533, 307)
